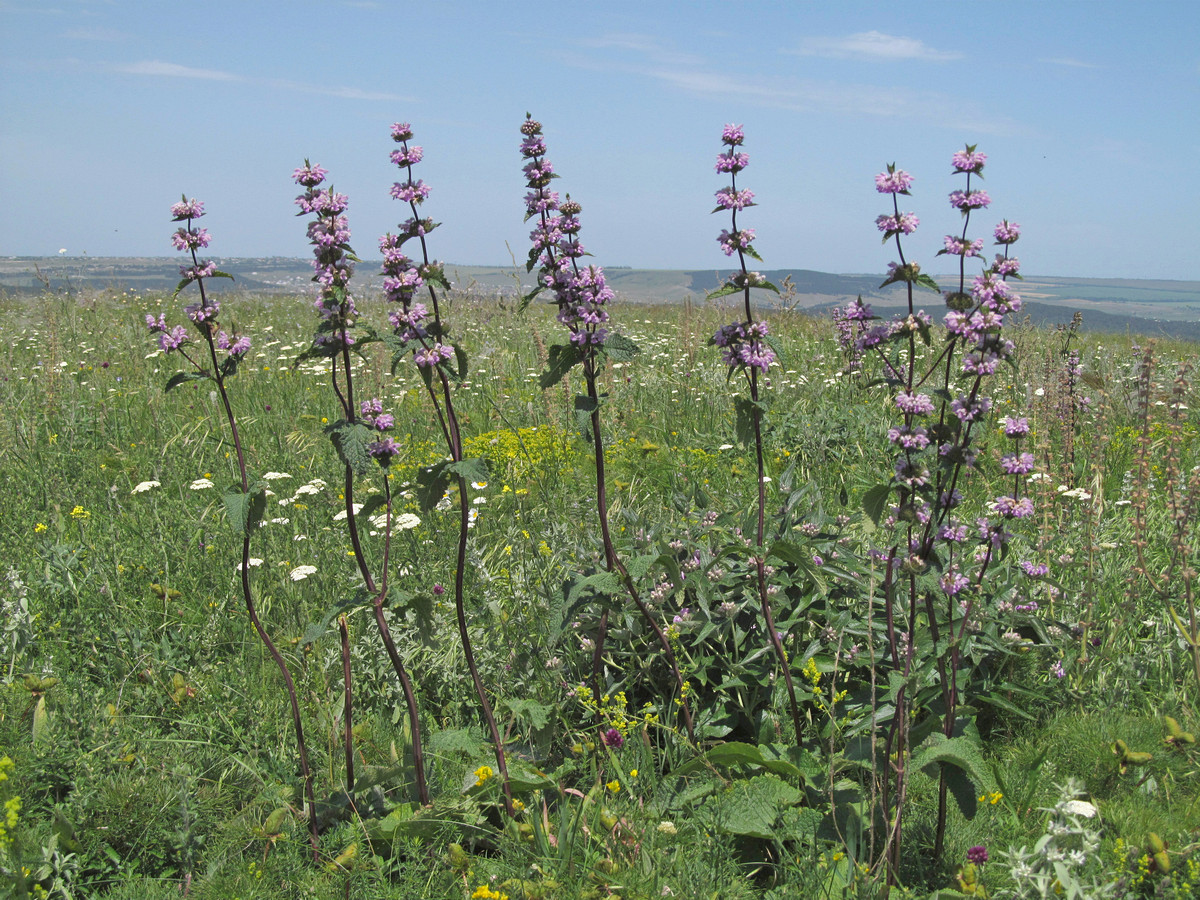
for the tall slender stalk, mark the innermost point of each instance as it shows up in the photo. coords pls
(330, 235)
(581, 295)
(747, 351)
(204, 315)
(424, 339)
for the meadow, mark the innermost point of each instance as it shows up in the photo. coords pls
(626, 616)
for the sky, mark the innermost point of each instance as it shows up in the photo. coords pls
(1089, 112)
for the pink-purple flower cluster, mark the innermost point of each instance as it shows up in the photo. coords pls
(893, 181)
(581, 293)
(329, 234)
(372, 415)
(403, 276)
(744, 345)
(203, 313)
(968, 161)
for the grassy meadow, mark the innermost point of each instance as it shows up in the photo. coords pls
(146, 743)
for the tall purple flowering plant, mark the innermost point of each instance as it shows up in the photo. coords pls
(747, 352)
(582, 296)
(360, 435)
(217, 359)
(419, 334)
(938, 559)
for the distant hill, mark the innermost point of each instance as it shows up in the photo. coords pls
(1113, 305)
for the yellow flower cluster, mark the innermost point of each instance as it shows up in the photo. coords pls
(613, 709)
(813, 676)
(482, 774)
(483, 892)
(519, 455)
(12, 808)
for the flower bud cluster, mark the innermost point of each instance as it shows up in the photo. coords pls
(581, 293)
(203, 313)
(743, 344)
(403, 277)
(373, 416)
(924, 502)
(329, 234)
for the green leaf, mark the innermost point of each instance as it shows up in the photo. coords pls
(229, 366)
(562, 358)
(724, 291)
(619, 348)
(245, 510)
(875, 500)
(41, 721)
(744, 427)
(603, 584)
(526, 299)
(182, 378)
(472, 470)
(584, 407)
(751, 808)
(416, 610)
(962, 754)
(460, 357)
(432, 482)
(536, 714)
(925, 281)
(350, 439)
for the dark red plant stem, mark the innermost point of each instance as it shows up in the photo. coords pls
(348, 706)
(248, 596)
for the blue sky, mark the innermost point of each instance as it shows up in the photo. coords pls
(1089, 112)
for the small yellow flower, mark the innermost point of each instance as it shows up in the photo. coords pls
(39, 527)
(482, 774)
(633, 773)
(614, 786)
(80, 513)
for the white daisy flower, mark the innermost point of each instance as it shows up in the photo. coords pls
(301, 572)
(340, 516)
(405, 522)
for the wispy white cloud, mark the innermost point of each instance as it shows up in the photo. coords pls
(109, 35)
(345, 93)
(874, 46)
(696, 76)
(156, 67)
(1068, 61)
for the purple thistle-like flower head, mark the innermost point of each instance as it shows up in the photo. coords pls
(733, 135)
(893, 181)
(977, 855)
(612, 738)
(728, 198)
(968, 200)
(187, 209)
(1014, 427)
(1007, 232)
(401, 131)
(969, 161)
(410, 191)
(383, 450)
(957, 246)
(190, 238)
(407, 157)
(308, 175)
(173, 339)
(732, 162)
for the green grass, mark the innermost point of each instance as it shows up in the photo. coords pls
(165, 743)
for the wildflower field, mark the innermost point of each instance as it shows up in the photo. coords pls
(436, 594)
